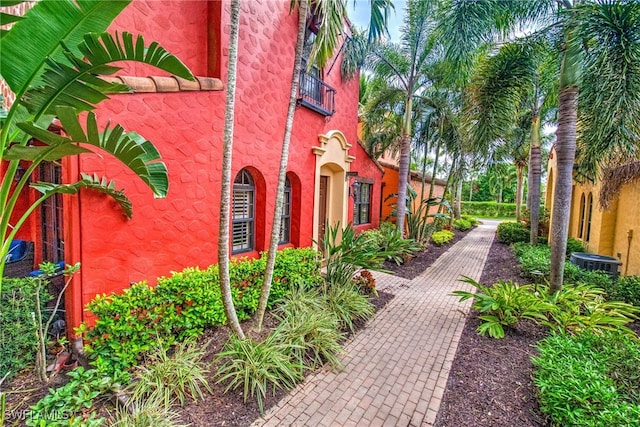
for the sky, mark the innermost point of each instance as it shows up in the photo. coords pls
(359, 15)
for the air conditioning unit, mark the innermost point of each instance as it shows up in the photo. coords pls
(589, 261)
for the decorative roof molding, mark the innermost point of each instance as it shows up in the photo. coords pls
(338, 136)
(153, 84)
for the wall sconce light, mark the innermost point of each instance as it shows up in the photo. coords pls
(353, 188)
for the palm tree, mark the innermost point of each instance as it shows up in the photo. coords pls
(513, 90)
(599, 51)
(406, 68)
(333, 14)
(54, 59)
(225, 190)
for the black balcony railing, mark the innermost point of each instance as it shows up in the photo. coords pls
(316, 94)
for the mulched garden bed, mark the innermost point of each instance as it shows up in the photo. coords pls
(217, 409)
(491, 380)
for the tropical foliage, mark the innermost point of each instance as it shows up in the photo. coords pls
(54, 59)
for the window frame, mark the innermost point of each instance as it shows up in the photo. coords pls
(358, 203)
(245, 184)
(285, 219)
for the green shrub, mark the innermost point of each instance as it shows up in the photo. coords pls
(574, 245)
(625, 289)
(503, 304)
(441, 237)
(581, 307)
(461, 224)
(18, 345)
(472, 219)
(512, 232)
(347, 252)
(388, 240)
(68, 405)
(128, 325)
(164, 377)
(257, 366)
(589, 379)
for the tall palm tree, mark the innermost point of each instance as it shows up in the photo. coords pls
(333, 14)
(225, 189)
(513, 92)
(405, 66)
(54, 59)
(599, 60)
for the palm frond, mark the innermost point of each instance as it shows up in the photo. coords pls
(79, 86)
(609, 121)
(47, 26)
(131, 149)
(92, 182)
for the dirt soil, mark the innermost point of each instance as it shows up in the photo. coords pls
(491, 380)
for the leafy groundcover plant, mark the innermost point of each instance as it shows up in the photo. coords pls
(589, 379)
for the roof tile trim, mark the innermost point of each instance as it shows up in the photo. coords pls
(167, 84)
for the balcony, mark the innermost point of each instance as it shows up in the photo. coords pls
(316, 94)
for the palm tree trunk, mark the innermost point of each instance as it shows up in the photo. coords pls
(565, 152)
(435, 165)
(424, 171)
(457, 211)
(225, 190)
(282, 175)
(535, 171)
(519, 189)
(403, 167)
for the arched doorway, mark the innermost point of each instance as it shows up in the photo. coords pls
(331, 195)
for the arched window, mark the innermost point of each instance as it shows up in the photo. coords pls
(581, 217)
(589, 211)
(243, 213)
(285, 226)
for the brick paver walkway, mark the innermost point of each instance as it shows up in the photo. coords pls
(396, 369)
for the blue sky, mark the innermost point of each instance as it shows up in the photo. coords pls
(359, 15)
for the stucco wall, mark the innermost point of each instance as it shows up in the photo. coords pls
(181, 230)
(609, 228)
(628, 220)
(390, 187)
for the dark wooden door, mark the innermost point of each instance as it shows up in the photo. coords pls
(322, 217)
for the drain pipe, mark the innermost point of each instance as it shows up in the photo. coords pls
(629, 238)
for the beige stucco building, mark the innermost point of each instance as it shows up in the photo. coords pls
(614, 231)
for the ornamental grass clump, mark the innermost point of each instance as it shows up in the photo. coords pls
(150, 412)
(258, 366)
(348, 305)
(167, 377)
(314, 337)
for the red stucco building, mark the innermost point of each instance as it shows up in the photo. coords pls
(185, 120)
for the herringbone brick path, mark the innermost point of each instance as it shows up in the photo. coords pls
(396, 369)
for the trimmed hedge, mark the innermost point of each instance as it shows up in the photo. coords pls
(130, 324)
(489, 209)
(513, 232)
